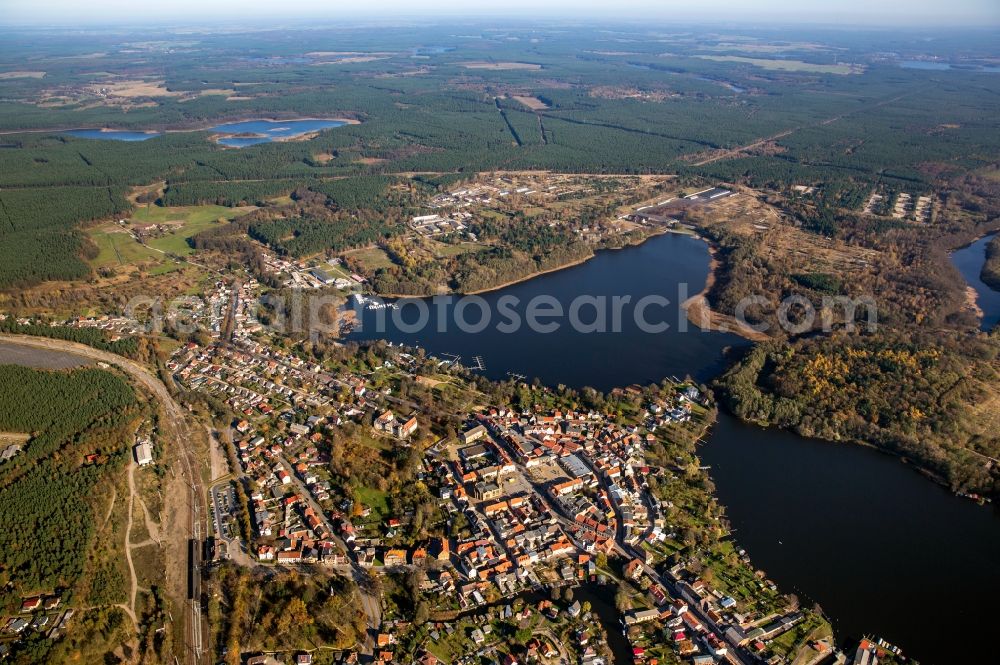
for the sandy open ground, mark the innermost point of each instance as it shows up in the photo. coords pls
(21, 75)
(17, 354)
(136, 88)
(501, 65)
(533, 103)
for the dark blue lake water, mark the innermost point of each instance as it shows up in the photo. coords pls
(672, 266)
(865, 536)
(969, 261)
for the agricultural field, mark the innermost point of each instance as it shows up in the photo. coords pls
(788, 65)
(183, 223)
(117, 248)
(174, 226)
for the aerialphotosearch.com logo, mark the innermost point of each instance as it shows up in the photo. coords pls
(304, 312)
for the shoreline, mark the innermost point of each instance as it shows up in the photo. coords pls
(529, 276)
(519, 280)
(700, 312)
(654, 234)
(697, 309)
(907, 460)
(972, 294)
(205, 128)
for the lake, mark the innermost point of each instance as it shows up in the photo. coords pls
(671, 265)
(266, 131)
(872, 541)
(111, 134)
(255, 131)
(433, 50)
(882, 549)
(969, 261)
(935, 66)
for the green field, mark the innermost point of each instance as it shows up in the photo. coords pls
(374, 499)
(193, 219)
(447, 249)
(372, 258)
(116, 247)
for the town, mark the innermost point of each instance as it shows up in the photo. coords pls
(537, 501)
(516, 502)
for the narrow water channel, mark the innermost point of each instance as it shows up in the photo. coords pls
(969, 261)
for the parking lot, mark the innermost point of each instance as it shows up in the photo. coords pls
(223, 503)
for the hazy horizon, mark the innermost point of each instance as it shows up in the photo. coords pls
(888, 14)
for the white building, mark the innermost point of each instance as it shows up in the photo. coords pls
(144, 453)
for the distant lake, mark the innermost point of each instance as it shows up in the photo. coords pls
(111, 134)
(263, 131)
(266, 131)
(725, 84)
(433, 50)
(933, 65)
(276, 59)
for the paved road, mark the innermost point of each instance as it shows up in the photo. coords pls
(175, 428)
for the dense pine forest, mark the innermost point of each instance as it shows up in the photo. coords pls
(81, 425)
(638, 112)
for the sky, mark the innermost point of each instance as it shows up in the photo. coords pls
(930, 13)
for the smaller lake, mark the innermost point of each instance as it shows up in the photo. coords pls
(266, 131)
(969, 261)
(725, 84)
(276, 59)
(433, 50)
(935, 66)
(111, 134)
